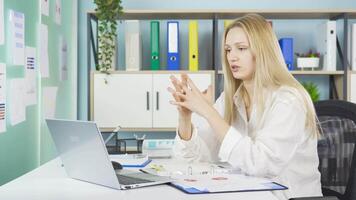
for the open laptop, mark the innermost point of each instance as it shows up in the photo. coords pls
(84, 156)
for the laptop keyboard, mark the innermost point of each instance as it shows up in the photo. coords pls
(126, 180)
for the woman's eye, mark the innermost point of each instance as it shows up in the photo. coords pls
(227, 50)
(242, 49)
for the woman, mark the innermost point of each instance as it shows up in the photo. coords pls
(264, 122)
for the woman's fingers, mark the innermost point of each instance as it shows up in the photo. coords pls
(176, 83)
(192, 85)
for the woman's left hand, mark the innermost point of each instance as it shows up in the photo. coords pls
(194, 100)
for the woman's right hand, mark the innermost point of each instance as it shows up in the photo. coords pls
(184, 113)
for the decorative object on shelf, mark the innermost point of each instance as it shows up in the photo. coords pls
(308, 60)
(286, 45)
(107, 13)
(313, 90)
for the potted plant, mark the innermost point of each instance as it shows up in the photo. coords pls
(313, 90)
(308, 60)
(107, 12)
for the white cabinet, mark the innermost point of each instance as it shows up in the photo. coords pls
(138, 100)
(352, 87)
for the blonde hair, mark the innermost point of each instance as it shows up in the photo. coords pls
(271, 71)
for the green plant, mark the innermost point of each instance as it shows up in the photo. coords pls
(310, 54)
(107, 12)
(313, 90)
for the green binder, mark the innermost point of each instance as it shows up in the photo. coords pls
(155, 58)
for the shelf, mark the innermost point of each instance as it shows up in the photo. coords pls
(234, 13)
(316, 72)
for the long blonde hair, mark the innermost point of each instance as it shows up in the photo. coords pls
(271, 70)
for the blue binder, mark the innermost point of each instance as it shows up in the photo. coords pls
(286, 45)
(173, 58)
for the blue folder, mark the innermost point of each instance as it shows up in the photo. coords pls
(138, 166)
(173, 58)
(270, 186)
(286, 45)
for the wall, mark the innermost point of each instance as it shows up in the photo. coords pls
(26, 145)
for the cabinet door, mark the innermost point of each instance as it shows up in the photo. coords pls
(165, 115)
(125, 100)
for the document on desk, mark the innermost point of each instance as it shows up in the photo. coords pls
(197, 184)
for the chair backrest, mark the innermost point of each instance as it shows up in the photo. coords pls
(336, 147)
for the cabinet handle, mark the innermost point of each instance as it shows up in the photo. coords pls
(157, 102)
(147, 100)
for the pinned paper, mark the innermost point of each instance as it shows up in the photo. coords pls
(30, 76)
(45, 7)
(58, 12)
(49, 101)
(44, 51)
(2, 97)
(2, 32)
(17, 34)
(63, 65)
(17, 101)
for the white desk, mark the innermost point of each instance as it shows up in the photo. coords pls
(50, 182)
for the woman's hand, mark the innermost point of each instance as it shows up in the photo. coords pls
(192, 99)
(178, 85)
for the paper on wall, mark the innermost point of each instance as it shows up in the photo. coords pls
(58, 12)
(17, 101)
(2, 97)
(44, 62)
(49, 100)
(45, 7)
(30, 76)
(17, 35)
(63, 64)
(2, 32)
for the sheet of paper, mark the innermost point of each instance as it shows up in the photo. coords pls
(2, 97)
(17, 100)
(17, 34)
(30, 76)
(44, 62)
(2, 32)
(63, 61)
(45, 7)
(224, 182)
(58, 12)
(49, 99)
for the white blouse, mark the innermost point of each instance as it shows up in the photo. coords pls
(279, 148)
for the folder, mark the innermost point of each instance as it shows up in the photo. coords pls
(353, 47)
(227, 23)
(286, 45)
(326, 44)
(193, 46)
(173, 58)
(155, 57)
(201, 184)
(133, 45)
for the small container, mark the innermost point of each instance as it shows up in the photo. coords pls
(304, 62)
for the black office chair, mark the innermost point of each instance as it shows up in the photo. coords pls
(336, 149)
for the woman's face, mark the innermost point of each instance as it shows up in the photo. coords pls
(239, 56)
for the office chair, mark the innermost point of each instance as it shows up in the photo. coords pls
(336, 150)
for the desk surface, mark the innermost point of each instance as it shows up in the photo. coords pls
(50, 182)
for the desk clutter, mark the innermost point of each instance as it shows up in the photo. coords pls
(198, 178)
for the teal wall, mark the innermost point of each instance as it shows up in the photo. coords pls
(26, 145)
(19, 145)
